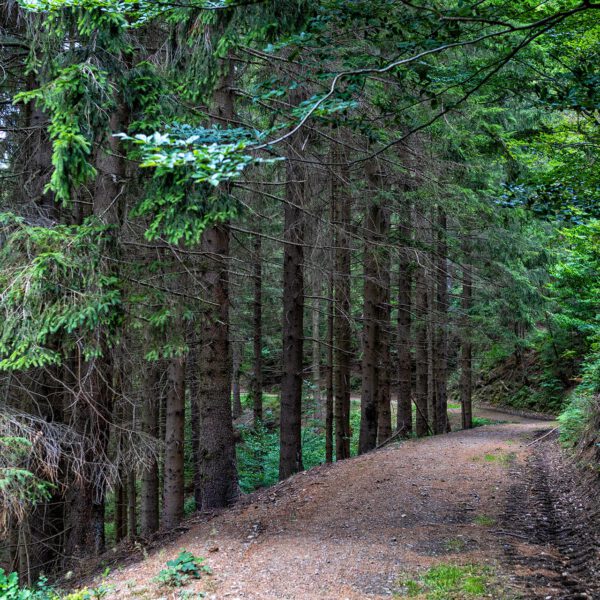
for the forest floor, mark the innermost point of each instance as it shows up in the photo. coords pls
(493, 512)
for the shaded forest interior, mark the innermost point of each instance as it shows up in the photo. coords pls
(240, 239)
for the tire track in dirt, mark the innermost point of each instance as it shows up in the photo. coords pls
(552, 529)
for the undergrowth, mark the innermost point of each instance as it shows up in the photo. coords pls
(180, 570)
(11, 590)
(258, 454)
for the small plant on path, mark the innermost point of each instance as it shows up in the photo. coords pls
(181, 569)
(448, 582)
(484, 521)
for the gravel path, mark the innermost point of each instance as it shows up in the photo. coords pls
(358, 528)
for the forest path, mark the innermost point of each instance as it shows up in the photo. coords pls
(360, 528)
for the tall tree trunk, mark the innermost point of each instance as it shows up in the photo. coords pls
(193, 386)
(466, 376)
(173, 493)
(217, 456)
(421, 358)
(329, 378)
(120, 508)
(218, 471)
(371, 332)
(149, 493)
(404, 414)
(316, 341)
(87, 511)
(441, 336)
(384, 414)
(431, 356)
(131, 504)
(237, 349)
(342, 332)
(290, 458)
(257, 361)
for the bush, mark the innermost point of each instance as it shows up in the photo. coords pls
(10, 589)
(577, 417)
(258, 454)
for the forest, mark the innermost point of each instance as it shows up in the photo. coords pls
(246, 244)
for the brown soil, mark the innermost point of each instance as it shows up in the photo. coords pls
(357, 528)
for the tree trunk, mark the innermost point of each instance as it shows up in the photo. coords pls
(257, 377)
(149, 520)
(217, 456)
(120, 509)
(404, 414)
(290, 458)
(466, 377)
(329, 379)
(86, 502)
(218, 471)
(237, 350)
(421, 359)
(96, 416)
(441, 335)
(371, 332)
(173, 494)
(316, 342)
(384, 415)
(342, 332)
(193, 386)
(131, 504)
(431, 356)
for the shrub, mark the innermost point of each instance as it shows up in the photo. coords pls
(578, 420)
(10, 589)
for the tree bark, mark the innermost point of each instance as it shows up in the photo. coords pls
(404, 413)
(371, 333)
(342, 338)
(329, 378)
(217, 456)
(149, 493)
(173, 494)
(290, 458)
(131, 504)
(466, 376)
(218, 471)
(421, 358)
(257, 376)
(431, 325)
(441, 335)
(316, 342)
(236, 391)
(384, 415)
(120, 509)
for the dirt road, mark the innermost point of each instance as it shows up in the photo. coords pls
(375, 526)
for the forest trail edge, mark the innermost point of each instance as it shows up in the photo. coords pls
(364, 527)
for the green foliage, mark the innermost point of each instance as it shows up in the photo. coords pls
(78, 100)
(258, 455)
(180, 570)
(189, 166)
(20, 489)
(97, 593)
(258, 458)
(54, 284)
(10, 589)
(575, 419)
